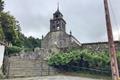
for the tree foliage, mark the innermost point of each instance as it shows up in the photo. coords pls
(1, 34)
(1, 30)
(12, 50)
(10, 31)
(32, 43)
(28, 42)
(9, 26)
(1, 5)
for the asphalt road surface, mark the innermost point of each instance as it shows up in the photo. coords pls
(59, 77)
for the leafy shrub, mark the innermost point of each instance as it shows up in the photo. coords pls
(13, 50)
(81, 58)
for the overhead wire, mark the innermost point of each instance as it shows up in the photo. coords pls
(115, 19)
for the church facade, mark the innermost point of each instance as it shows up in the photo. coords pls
(57, 39)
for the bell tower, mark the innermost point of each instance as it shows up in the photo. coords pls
(57, 23)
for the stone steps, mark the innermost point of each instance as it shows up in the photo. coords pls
(26, 67)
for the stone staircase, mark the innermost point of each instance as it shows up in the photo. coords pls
(28, 68)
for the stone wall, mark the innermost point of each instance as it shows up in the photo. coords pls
(100, 46)
(17, 67)
(29, 64)
(55, 41)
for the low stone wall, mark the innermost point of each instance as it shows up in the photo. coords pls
(100, 46)
(17, 67)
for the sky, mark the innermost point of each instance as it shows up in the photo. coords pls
(85, 18)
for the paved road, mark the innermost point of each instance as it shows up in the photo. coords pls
(54, 78)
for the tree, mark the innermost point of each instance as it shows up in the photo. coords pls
(1, 30)
(31, 42)
(9, 26)
(1, 34)
(1, 5)
(10, 31)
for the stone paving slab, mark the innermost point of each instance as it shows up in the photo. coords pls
(54, 78)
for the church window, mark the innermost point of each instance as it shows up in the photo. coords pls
(57, 22)
(58, 28)
(58, 25)
(56, 16)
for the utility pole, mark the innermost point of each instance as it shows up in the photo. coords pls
(112, 51)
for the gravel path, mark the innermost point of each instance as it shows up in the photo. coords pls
(60, 77)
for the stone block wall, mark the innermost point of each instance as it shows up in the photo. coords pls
(28, 64)
(17, 67)
(100, 46)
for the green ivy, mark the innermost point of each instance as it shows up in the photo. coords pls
(13, 50)
(97, 60)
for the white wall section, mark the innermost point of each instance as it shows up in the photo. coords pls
(2, 48)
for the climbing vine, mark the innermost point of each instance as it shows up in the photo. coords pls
(82, 58)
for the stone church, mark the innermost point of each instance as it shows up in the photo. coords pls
(57, 39)
(34, 63)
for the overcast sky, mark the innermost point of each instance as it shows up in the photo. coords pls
(84, 17)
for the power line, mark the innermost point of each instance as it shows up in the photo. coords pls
(115, 19)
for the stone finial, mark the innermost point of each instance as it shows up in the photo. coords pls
(58, 6)
(70, 33)
(42, 36)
